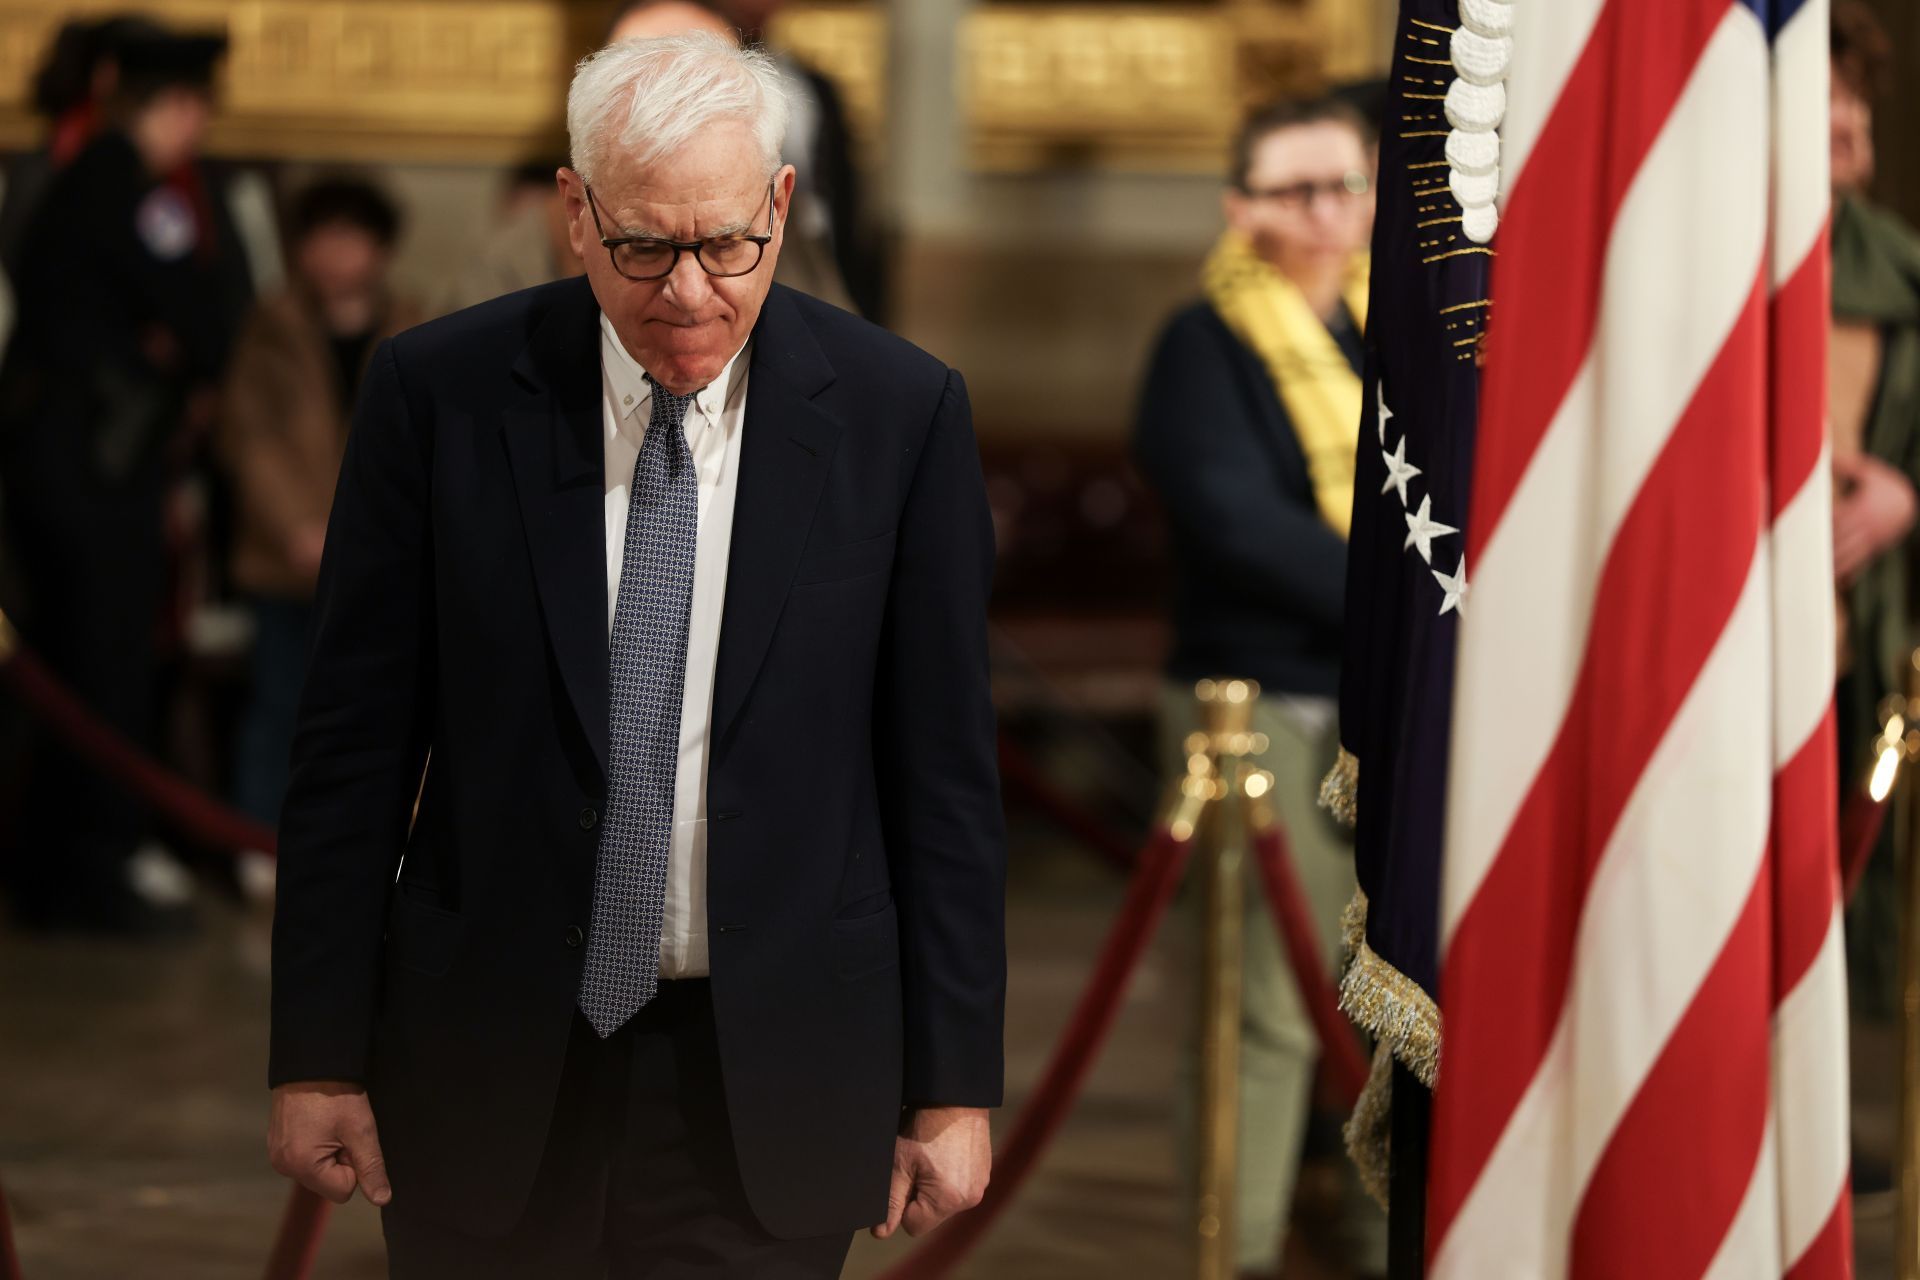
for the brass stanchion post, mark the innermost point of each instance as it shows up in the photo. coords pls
(1213, 757)
(1907, 1242)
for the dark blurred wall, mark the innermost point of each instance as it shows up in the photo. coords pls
(1896, 141)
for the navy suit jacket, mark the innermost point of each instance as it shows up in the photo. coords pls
(856, 851)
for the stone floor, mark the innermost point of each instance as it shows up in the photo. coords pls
(132, 1109)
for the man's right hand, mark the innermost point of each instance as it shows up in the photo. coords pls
(321, 1135)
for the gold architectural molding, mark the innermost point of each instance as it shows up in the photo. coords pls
(350, 79)
(1113, 85)
(1133, 84)
(1126, 85)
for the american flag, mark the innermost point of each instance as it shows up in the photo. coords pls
(1641, 979)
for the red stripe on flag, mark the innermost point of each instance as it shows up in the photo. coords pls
(1799, 332)
(1669, 585)
(1806, 857)
(1553, 236)
(1683, 1156)
(1830, 1256)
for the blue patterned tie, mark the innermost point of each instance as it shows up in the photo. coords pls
(647, 663)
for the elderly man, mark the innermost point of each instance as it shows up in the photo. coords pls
(663, 591)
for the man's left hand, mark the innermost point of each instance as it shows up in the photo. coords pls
(941, 1162)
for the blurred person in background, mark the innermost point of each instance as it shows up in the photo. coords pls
(528, 244)
(125, 286)
(808, 262)
(70, 88)
(831, 210)
(294, 377)
(1874, 407)
(1247, 428)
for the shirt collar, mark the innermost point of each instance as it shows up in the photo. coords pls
(632, 392)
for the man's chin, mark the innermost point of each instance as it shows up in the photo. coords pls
(684, 373)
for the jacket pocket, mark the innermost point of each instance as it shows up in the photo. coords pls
(866, 944)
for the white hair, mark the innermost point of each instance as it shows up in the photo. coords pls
(651, 97)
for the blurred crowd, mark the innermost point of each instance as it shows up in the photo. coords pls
(185, 339)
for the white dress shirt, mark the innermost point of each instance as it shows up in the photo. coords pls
(713, 426)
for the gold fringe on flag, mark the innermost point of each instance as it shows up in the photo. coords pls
(1369, 1130)
(1385, 1003)
(1340, 789)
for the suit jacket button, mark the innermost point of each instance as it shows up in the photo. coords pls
(587, 819)
(575, 935)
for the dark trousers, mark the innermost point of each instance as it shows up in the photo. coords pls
(96, 588)
(639, 1180)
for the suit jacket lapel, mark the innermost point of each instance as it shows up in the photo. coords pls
(787, 446)
(554, 441)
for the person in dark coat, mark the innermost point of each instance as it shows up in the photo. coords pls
(664, 591)
(124, 293)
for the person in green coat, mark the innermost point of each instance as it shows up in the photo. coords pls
(1874, 408)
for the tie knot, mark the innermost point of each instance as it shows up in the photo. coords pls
(668, 407)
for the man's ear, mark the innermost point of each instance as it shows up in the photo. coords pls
(573, 199)
(783, 183)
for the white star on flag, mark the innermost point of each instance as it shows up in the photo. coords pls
(1422, 529)
(1380, 397)
(1455, 588)
(1399, 470)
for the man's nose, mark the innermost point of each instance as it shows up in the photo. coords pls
(687, 286)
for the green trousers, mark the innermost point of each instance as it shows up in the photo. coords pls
(1279, 1051)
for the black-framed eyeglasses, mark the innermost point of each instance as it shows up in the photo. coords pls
(641, 258)
(1303, 195)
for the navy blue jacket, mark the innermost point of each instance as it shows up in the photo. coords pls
(855, 854)
(1259, 577)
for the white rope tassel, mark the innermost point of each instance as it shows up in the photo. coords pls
(1482, 51)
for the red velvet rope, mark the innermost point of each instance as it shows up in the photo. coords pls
(1020, 774)
(168, 794)
(297, 1243)
(1345, 1063)
(1861, 818)
(1156, 876)
(9, 1258)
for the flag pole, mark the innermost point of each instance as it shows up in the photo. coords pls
(1907, 1241)
(1227, 708)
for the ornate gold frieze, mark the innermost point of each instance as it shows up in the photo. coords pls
(1134, 85)
(428, 79)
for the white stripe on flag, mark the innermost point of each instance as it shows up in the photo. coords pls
(1810, 1073)
(1800, 137)
(1803, 674)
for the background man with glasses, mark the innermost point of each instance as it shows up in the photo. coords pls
(673, 582)
(1247, 429)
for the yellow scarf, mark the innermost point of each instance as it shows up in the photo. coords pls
(1321, 391)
